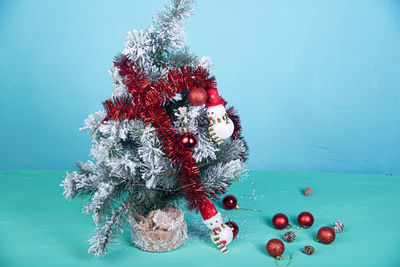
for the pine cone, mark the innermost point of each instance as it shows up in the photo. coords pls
(308, 191)
(309, 250)
(289, 236)
(338, 226)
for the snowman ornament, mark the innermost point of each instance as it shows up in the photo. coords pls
(221, 234)
(221, 126)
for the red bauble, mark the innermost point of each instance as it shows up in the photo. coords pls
(326, 235)
(305, 219)
(188, 140)
(197, 96)
(229, 202)
(280, 221)
(234, 227)
(275, 247)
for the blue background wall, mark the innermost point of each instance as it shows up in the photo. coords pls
(316, 82)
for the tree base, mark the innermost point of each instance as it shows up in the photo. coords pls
(160, 231)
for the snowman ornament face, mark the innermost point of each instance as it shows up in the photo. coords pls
(221, 126)
(216, 111)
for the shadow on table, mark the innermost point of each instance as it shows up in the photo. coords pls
(262, 249)
(268, 221)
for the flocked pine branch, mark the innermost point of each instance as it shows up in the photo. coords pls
(168, 21)
(222, 175)
(103, 199)
(160, 48)
(107, 231)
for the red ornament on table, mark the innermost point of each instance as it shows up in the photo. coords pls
(326, 235)
(305, 219)
(275, 247)
(197, 96)
(280, 221)
(234, 227)
(188, 140)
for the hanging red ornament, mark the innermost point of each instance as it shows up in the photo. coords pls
(197, 96)
(234, 227)
(305, 219)
(275, 247)
(326, 235)
(280, 221)
(188, 140)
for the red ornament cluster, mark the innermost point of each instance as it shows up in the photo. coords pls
(326, 235)
(281, 221)
(146, 101)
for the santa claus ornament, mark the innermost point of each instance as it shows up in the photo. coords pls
(221, 234)
(221, 126)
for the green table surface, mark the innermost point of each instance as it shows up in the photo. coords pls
(38, 227)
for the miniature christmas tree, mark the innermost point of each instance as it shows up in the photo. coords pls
(164, 134)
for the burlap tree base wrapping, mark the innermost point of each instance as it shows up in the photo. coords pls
(161, 230)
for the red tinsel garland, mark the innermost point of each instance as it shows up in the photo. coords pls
(146, 102)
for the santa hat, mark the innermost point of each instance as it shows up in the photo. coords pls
(213, 98)
(208, 210)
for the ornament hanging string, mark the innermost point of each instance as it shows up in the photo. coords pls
(294, 226)
(240, 208)
(279, 259)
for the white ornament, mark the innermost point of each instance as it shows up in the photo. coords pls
(221, 126)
